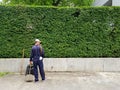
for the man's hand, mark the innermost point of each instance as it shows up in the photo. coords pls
(31, 62)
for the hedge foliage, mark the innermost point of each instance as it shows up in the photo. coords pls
(64, 32)
(59, 3)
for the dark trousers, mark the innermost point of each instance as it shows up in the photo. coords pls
(39, 63)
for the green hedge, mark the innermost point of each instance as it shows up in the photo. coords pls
(64, 32)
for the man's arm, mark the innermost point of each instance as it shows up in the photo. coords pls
(43, 54)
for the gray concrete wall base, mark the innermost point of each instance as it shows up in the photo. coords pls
(115, 2)
(99, 2)
(64, 64)
(106, 3)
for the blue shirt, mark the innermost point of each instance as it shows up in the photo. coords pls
(36, 53)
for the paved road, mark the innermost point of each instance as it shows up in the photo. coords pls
(64, 81)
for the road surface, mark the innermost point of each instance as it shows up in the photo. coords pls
(64, 81)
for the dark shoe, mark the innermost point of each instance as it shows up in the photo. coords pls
(43, 79)
(36, 80)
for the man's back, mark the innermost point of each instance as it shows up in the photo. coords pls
(35, 52)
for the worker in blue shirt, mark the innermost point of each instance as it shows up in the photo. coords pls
(37, 54)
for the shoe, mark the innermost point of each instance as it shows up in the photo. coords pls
(43, 79)
(36, 80)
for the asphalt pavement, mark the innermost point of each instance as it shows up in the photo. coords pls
(64, 81)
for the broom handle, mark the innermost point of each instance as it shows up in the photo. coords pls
(22, 61)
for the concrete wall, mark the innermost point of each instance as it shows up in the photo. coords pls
(64, 64)
(99, 2)
(106, 2)
(115, 2)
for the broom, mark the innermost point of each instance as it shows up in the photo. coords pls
(22, 62)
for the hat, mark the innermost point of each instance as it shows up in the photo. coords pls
(37, 40)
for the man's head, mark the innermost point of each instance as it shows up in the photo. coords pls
(37, 42)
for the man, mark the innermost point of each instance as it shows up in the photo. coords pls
(37, 54)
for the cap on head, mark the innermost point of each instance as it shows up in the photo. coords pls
(37, 40)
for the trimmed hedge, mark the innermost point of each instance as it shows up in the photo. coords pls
(64, 32)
